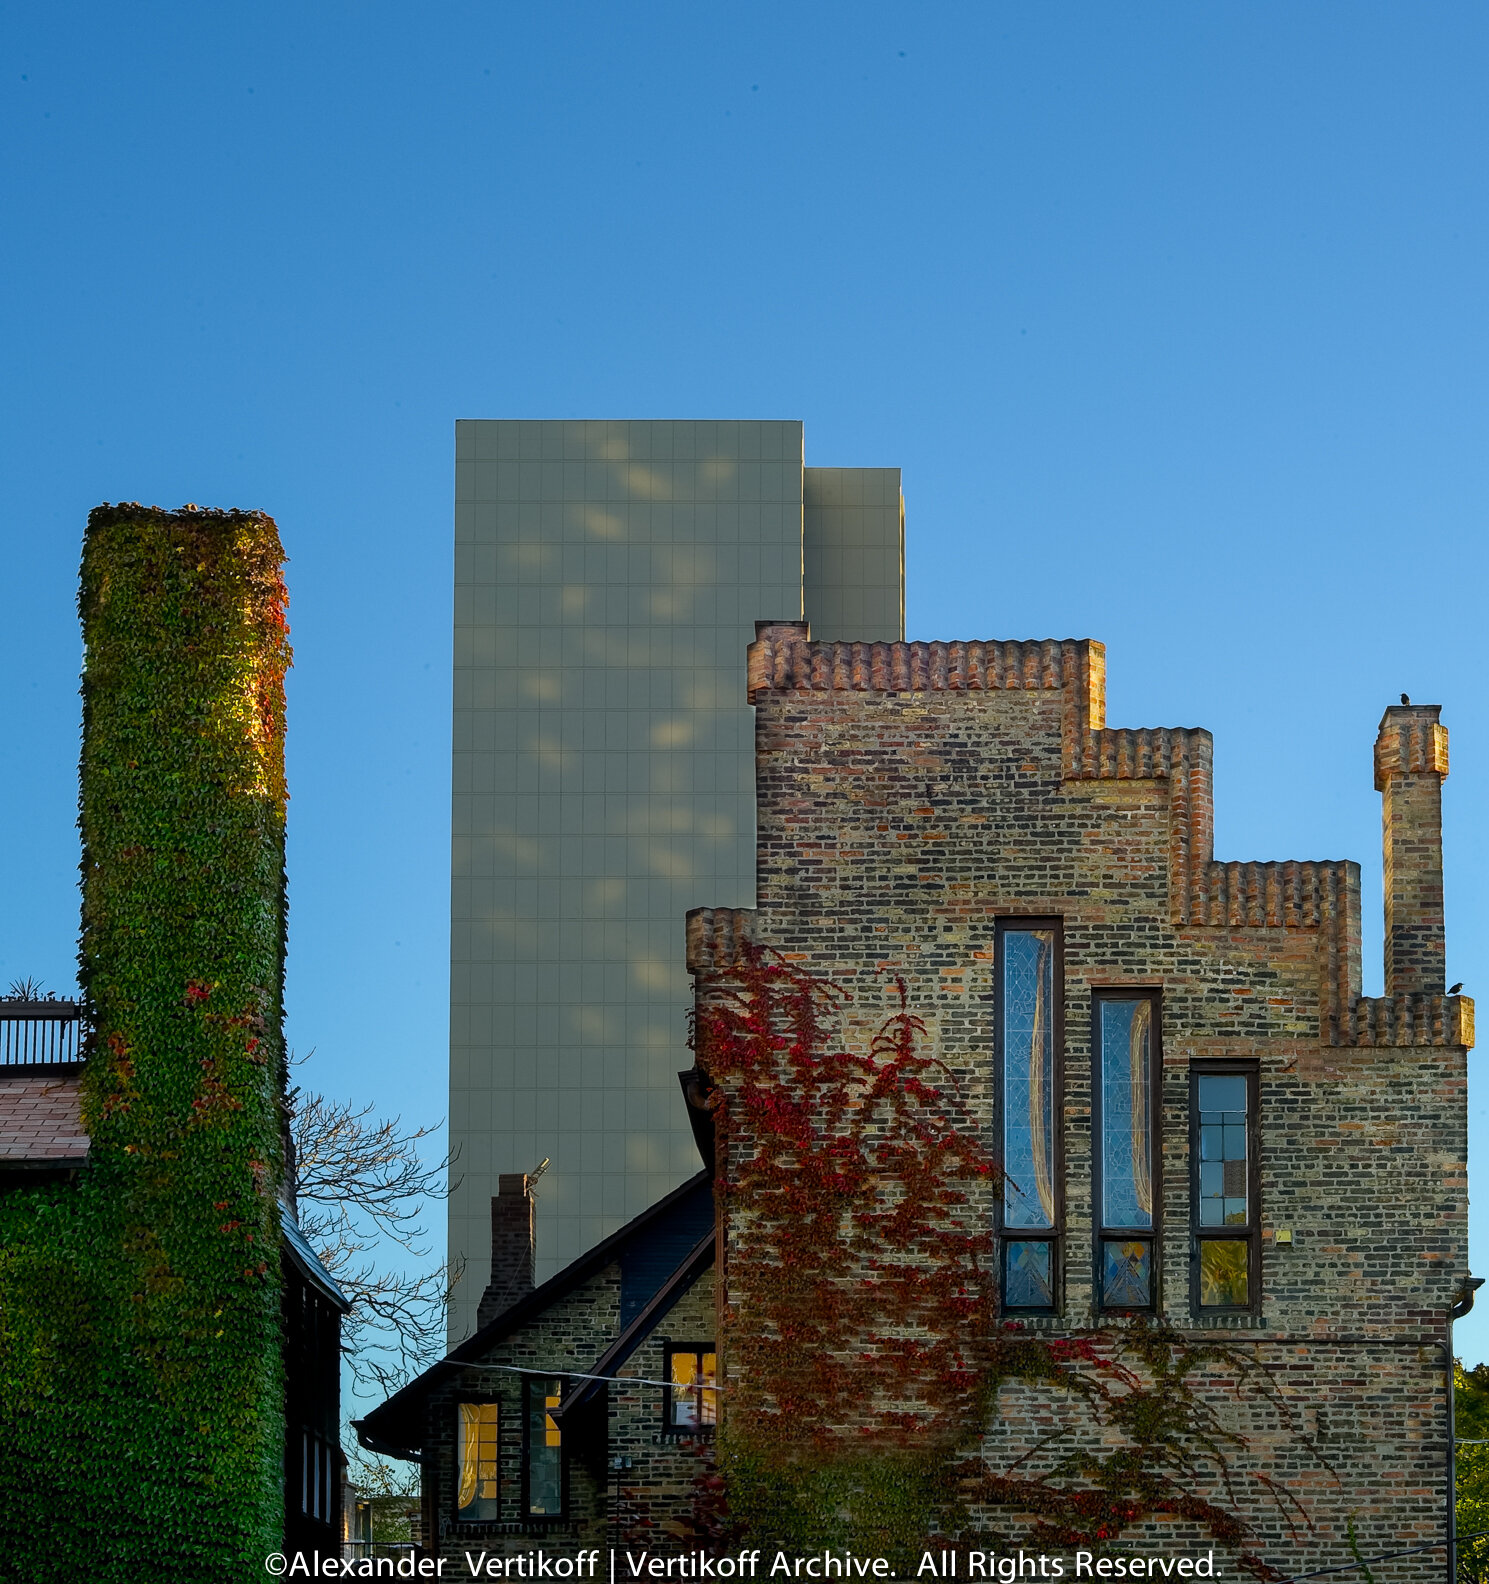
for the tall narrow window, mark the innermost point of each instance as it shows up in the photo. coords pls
(1127, 1164)
(1226, 1222)
(692, 1399)
(544, 1449)
(477, 1496)
(1029, 1000)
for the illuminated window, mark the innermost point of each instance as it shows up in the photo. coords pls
(692, 1398)
(1028, 1039)
(1128, 1188)
(1226, 1223)
(544, 1447)
(478, 1484)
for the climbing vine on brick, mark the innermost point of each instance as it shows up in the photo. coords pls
(861, 1331)
(140, 1376)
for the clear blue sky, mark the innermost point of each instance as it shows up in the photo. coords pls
(1174, 316)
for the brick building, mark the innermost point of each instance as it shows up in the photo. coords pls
(581, 1413)
(1201, 1119)
(1202, 1128)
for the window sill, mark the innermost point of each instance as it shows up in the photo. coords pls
(1226, 1320)
(477, 1528)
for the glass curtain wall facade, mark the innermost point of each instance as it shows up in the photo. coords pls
(608, 579)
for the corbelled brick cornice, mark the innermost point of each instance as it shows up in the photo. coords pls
(715, 937)
(1203, 894)
(1411, 742)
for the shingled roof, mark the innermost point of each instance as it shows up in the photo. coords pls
(666, 1230)
(41, 1126)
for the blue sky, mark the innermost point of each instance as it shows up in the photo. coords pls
(1174, 316)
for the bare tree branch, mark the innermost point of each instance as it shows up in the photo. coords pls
(359, 1184)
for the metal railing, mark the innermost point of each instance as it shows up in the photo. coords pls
(47, 1033)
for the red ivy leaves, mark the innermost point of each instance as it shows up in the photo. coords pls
(861, 1302)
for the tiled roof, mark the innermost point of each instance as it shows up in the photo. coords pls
(40, 1122)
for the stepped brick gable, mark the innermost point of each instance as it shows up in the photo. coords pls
(930, 811)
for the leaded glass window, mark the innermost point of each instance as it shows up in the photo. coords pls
(1222, 1150)
(478, 1491)
(692, 1393)
(1226, 1222)
(1127, 1068)
(1028, 1274)
(1028, 1022)
(544, 1447)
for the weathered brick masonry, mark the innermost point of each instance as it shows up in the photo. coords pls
(912, 795)
(600, 1330)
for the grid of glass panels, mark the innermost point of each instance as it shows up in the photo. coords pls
(478, 1495)
(1223, 1118)
(1128, 1157)
(545, 1455)
(1027, 1009)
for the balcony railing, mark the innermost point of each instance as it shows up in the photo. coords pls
(40, 1034)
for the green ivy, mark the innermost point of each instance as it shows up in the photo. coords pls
(140, 1373)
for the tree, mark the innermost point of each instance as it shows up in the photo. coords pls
(358, 1182)
(1471, 1457)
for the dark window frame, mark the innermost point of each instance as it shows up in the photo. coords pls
(698, 1349)
(529, 1382)
(1251, 1233)
(502, 1478)
(1055, 1237)
(1101, 1230)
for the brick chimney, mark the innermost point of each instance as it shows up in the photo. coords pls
(1411, 763)
(513, 1235)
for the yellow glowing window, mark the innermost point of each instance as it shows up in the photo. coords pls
(1223, 1274)
(478, 1495)
(692, 1397)
(1226, 1224)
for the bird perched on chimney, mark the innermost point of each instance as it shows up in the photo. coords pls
(1454, 989)
(1404, 699)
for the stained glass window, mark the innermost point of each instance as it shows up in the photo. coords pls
(1028, 1012)
(1222, 1150)
(1225, 1214)
(1126, 1113)
(1126, 1168)
(478, 1493)
(1126, 1273)
(1028, 1002)
(545, 1466)
(1223, 1273)
(1028, 1275)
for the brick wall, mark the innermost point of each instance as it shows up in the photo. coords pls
(911, 795)
(606, 1506)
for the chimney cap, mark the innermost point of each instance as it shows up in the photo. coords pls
(1411, 741)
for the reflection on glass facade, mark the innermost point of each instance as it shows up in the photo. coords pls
(1222, 1150)
(545, 1469)
(1126, 1114)
(1028, 999)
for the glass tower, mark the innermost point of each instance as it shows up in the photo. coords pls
(608, 578)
